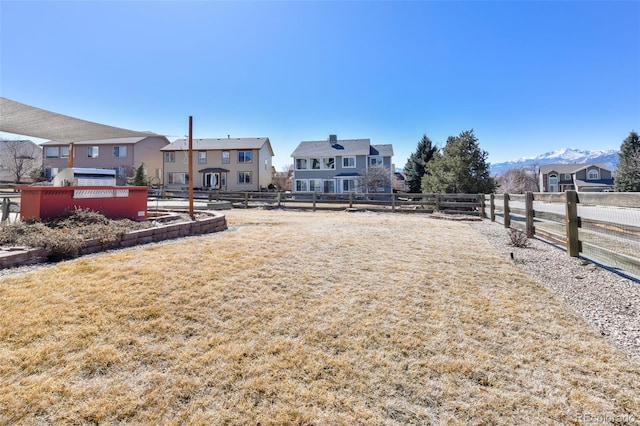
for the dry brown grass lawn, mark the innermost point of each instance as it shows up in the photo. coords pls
(304, 318)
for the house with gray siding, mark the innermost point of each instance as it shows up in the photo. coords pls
(578, 177)
(338, 166)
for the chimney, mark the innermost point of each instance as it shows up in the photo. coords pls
(228, 136)
(333, 139)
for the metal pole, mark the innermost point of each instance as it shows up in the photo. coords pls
(191, 168)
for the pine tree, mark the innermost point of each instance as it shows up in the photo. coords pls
(461, 167)
(140, 178)
(628, 171)
(415, 167)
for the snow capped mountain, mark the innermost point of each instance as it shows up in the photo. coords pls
(562, 156)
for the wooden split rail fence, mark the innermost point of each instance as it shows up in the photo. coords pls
(604, 227)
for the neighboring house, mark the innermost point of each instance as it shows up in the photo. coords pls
(123, 155)
(579, 177)
(226, 164)
(338, 166)
(19, 159)
(399, 182)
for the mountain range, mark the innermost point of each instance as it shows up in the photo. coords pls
(609, 158)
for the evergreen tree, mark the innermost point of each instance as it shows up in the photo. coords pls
(461, 167)
(415, 167)
(628, 171)
(140, 178)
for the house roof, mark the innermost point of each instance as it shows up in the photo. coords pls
(213, 170)
(385, 150)
(349, 174)
(568, 168)
(110, 141)
(602, 183)
(22, 119)
(210, 144)
(343, 148)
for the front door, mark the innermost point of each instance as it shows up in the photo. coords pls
(211, 180)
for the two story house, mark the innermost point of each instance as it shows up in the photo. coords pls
(226, 164)
(338, 166)
(578, 177)
(123, 155)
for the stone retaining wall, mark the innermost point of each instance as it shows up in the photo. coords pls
(18, 256)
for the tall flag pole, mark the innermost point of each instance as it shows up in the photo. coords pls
(190, 176)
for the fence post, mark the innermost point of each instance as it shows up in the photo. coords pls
(572, 224)
(279, 198)
(528, 207)
(507, 213)
(437, 202)
(393, 201)
(246, 200)
(481, 200)
(492, 207)
(351, 200)
(314, 201)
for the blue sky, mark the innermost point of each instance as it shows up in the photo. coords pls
(528, 77)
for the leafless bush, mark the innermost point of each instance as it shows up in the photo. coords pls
(518, 238)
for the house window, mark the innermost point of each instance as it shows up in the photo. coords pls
(348, 185)
(120, 151)
(329, 186)
(178, 178)
(120, 171)
(315, 164)
(202, 157)
(329, 163)
(64, 152)
(567, 176)
(593, 174)
(50, 172)
(169, 157)
(225, 157)
(93, 151)
(302, 164)
(301, 185)
(375, 161)
(348, 162)
(244, 177)
(244, 156)
(315, 185)
(52, 152)
(553, 183)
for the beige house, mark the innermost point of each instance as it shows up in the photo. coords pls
(123, 155)
(226, 164)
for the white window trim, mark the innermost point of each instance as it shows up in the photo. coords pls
(91, 150)
(295, 162)
(246, 173)
(595, 171)
(346, 158)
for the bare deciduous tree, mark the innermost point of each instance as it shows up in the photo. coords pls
(375, 178)
(18, 159)
(518, 180)
(282, 180)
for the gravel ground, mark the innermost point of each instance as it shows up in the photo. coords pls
(607, 301)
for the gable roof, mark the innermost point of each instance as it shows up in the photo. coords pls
(385, 150)
(568, 168)
(210, 144)
(324, 148)
(111, 141)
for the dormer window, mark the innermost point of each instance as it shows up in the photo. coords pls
(593, 174)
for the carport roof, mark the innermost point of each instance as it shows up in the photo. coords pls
(22, 119)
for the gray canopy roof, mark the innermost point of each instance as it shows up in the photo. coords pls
(22, 119)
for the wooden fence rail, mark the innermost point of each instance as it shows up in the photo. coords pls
(602, 226)
(396, 202)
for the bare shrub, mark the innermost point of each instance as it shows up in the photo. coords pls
(518, 238)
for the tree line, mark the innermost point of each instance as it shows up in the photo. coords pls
(461, 166)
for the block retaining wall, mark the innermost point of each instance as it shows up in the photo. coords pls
(19, 256)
